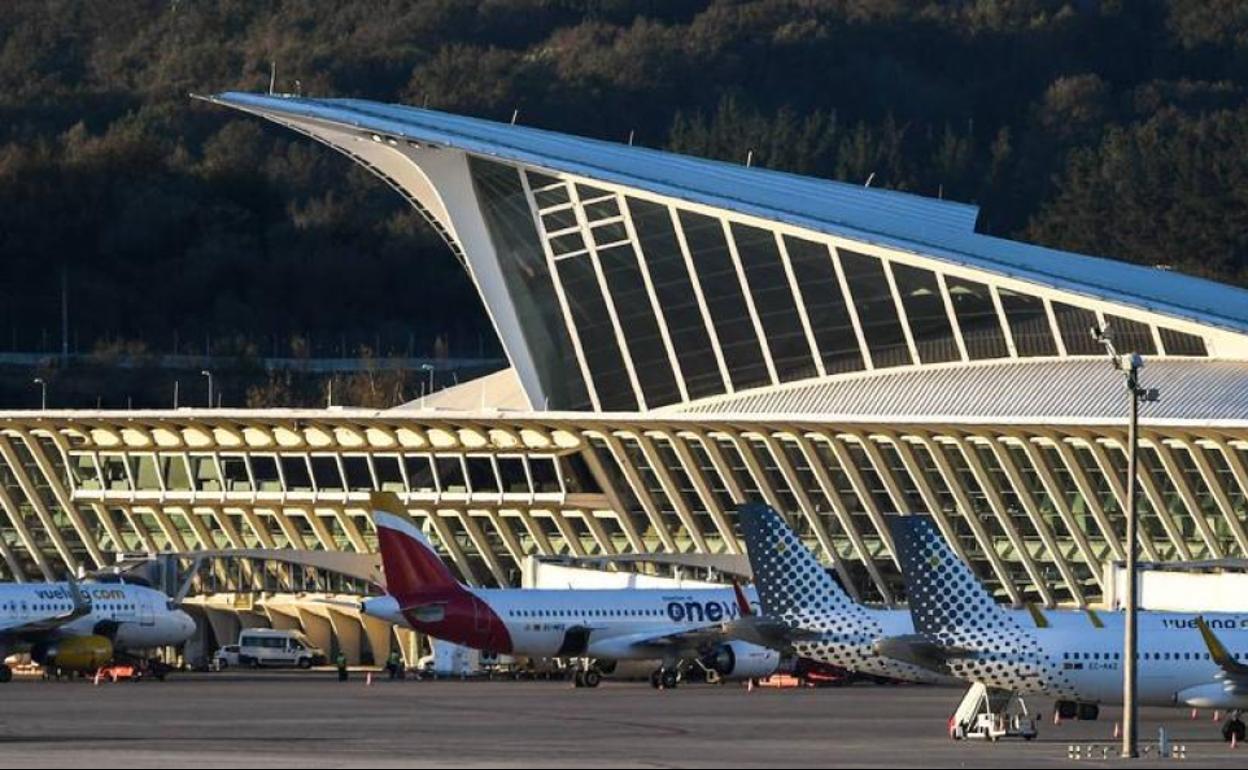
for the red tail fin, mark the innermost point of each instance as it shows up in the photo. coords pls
(743, 604)
(411, 564)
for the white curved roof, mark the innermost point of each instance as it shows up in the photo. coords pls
(1010, 391)
(936, 228)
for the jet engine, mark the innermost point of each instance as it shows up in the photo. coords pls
(79, 653)
(1214, 695)
(742, 660)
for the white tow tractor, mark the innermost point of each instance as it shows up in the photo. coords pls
(992, 715)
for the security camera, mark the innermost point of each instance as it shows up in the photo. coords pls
(1133, 361)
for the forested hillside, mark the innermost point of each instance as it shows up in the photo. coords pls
(1117, 127)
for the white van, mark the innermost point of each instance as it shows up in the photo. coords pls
(270, 647)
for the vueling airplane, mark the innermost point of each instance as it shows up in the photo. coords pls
(805, 611)
(675, 627)
(1073, 656)
(80, 628)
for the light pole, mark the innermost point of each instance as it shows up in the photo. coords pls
(1130, 365)
(43, 392)
(208, 374)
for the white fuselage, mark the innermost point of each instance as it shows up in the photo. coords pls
(1082, 660)
(603, 624)
(134, 617)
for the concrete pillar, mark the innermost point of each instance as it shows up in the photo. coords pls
(409, 645)
(225, 625)
(321, 633)
(377, 634)
(349, 633)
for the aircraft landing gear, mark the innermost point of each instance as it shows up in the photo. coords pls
(591, 678)
(6, 674)
(1233, 728)
(665, 679)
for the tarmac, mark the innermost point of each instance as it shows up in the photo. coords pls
(278, 720)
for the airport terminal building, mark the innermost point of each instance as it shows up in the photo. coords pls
(684, 335)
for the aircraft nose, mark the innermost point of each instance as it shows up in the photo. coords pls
(186, 623)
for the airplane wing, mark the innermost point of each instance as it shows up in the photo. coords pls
(81, 608)
(920, 651)
(685, 639)
(1234, 673)
(770, 632)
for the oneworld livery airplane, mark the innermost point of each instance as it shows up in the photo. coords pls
(677, 628)
(1073, 656)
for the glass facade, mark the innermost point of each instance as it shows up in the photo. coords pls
(671, 304)
(926, 313)
(677, 299)
(877, 309)
(1029, 324)
(720, 283)
(825, 303)
(523, 263)
(774, 301)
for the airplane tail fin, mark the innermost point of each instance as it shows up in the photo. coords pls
(792, 584)
(947, 601)
(409, 560)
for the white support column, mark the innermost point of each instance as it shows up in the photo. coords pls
(744, 283)
(711, 332)
(568, 321)
(1037, 519)
(660, 317)
(852, 308)
(707, 495)
(902, 316)
(999, 509)
(36, 502)
(63, 497)
(800, 300)
(1090, 496)
(1218, 491)
(828, 487)
(952, 314)
(1180, 482)
(590, 455)
(672, 491)
(971, 516)
(621, 339)
(1062, 504)
(23, 533)
(483, 546)
(633, 476)
(812, 519)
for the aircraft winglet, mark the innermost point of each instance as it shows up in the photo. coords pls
(1219, 653)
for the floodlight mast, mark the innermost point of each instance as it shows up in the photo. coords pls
(1130, 365)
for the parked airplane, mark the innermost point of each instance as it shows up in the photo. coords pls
(677, 627)
(806, 611)
(1073, 656)
(80, 628)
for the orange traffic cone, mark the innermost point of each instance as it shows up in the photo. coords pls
(1117, 730)
(368, 680)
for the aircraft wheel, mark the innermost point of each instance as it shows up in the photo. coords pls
(669, 678)
(578, 679)
(1089, 712)
(656, 679)
(6, 674)
(591, 678)
(1234, 729)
